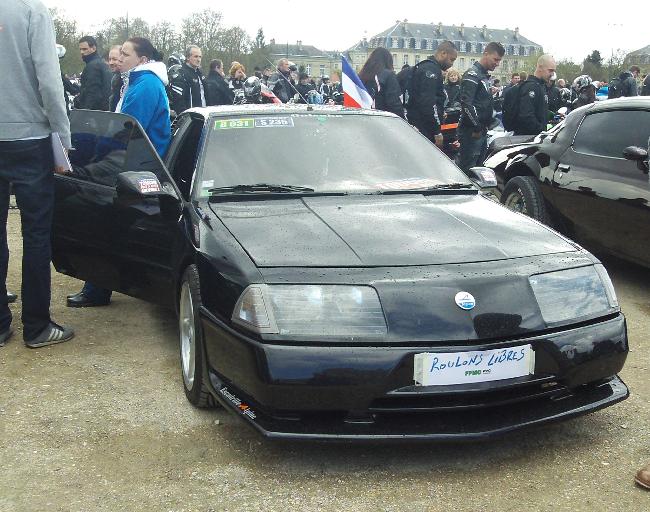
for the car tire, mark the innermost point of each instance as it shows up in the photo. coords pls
(192, 346)
(522, 194)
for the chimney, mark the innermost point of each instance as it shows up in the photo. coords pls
(273, 41)
(405, 27)
(462, 29)
(439, 28)
(516, 32)
(484, 32)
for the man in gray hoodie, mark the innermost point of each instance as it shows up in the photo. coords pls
(32, 109)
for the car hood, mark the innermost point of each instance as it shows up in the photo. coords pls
(386, 231)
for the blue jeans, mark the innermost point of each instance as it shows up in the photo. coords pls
(95, 293)
(28, 166)
(472, 151)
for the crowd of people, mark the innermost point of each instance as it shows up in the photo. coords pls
(134, 80)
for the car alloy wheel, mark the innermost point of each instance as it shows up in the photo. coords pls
(191, 341)
(188, 336)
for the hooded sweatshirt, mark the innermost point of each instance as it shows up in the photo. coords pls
(145, 98)
(31, 102)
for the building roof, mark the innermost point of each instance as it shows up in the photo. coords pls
(299, 50)
(438, 31)
(643, 51)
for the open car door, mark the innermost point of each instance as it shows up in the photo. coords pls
(105, 229)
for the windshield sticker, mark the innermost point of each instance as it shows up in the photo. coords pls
(273, 122)
(207, 184)
(407, 184)
(148, 185)
(232, 124)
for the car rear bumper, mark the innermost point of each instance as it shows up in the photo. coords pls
(368, 393)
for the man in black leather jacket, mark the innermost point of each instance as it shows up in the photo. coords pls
(216, 87)
(280, 82)
(187, 84)
(95, 78)
(426, 99)
(477, 107)
(532, 115)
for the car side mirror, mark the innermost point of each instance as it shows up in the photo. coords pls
(140, 185)
(638, 155)
(483, 177)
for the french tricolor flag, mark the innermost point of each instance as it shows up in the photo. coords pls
(354, 93)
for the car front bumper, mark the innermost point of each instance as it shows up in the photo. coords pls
(367, 393)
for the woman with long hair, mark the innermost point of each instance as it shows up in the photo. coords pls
(379, 79)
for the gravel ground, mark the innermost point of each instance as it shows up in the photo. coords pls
(101, 423)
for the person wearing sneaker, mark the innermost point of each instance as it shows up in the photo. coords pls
(33, 108)
(642, 477)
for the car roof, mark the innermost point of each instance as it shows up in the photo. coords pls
(290, 108)
(626, 103)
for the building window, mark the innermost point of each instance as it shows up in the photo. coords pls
(406, 59)
(322, 70)
(434, 44)
(515, 64)
(423, 44)
(412, 43)
(389, 42)
(308, 69)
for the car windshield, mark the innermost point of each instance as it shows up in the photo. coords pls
(324, 152)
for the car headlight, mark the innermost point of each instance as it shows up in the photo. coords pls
(311, 310)
(574, 294)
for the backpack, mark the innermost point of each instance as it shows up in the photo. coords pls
(511, 107)
(614, 90)
(409, 85)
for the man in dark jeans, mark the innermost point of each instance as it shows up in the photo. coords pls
(33, 107)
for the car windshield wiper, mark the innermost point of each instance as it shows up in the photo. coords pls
(258, 188)
(450, 186)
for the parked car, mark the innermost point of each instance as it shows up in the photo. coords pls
(336, 276)
(587, 177)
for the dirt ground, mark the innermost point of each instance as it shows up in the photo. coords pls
(101, 423)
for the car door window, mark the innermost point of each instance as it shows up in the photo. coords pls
(184, 152)
(107, 144)
(607, 134)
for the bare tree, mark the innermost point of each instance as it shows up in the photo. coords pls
(203, 29)
(165, 38)
(234, 43)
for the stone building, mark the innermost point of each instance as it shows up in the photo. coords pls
(412, 42)
(315, 62)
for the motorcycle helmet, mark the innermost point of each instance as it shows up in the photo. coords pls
(582, 82)
(60, 50)
(175, 59)
(325, 79)
(252, 89)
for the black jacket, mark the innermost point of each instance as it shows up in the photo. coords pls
(95, 84)
(116, 89)
(304, 89)
(555, 102)
(427, 97)
(385, 90)
(279, 83)
(533, 107)
(217, 91)
(476, 100)
(187, 88)
(453, 94)
(628, 84)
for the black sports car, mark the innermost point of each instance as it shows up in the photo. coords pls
(337, 277)
(587, 177)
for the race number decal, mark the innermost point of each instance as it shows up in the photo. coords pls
(232, 124)
(273, 122)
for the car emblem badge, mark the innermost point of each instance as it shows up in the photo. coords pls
(465, 301)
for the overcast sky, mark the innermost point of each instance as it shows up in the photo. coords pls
(565, 28)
